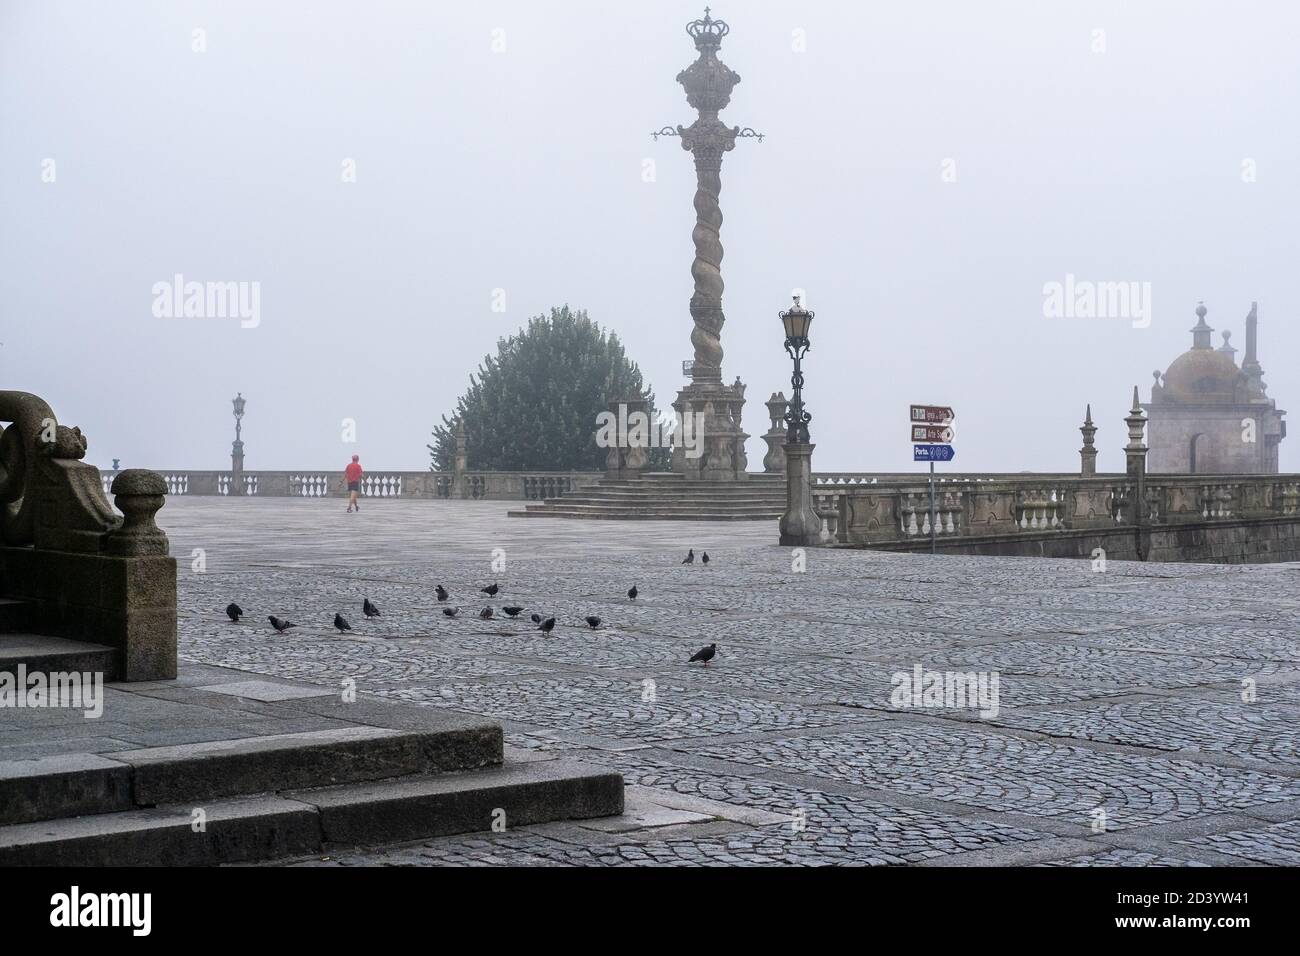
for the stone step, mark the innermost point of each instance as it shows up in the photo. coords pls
(574, 504)
(15, 615)
(527, 792)
(265, 827)
(635, 515)
(77, 784)
(40, 653)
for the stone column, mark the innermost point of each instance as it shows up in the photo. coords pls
(774, 460)
(714, 408)
(459, 465)
(800, 525)
(1088, 453)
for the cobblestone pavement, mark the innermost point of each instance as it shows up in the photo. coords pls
(1145, 716)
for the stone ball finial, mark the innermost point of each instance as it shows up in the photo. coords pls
(1201, 310)
(138, 494)
(138, 481)
(1226, 335)
(1156, 375)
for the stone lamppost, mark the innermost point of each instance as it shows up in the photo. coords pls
(715, 408)
(800, 525)
(237, 448)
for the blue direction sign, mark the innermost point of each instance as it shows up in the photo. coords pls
(933, 453)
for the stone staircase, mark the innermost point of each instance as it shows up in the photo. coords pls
(294, 768)
(669, 497)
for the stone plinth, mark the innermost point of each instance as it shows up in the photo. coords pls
(800, 525)
(714, 413)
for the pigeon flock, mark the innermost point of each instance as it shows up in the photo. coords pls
(545, 625)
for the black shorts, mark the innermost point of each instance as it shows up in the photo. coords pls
(354, 486)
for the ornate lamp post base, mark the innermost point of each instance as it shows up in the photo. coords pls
(800, 525)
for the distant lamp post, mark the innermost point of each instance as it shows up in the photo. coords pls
(800, 525)
(237, 449)
(797, 322)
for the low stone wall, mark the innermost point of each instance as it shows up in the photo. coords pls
(1224, 518)
(487, 485)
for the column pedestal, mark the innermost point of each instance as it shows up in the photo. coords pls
(800, 525)
(717, 450)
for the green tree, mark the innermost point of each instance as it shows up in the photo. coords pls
(534, 405)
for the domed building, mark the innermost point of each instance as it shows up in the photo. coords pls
(1208, 416)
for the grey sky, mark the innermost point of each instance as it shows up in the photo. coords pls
(522, 170)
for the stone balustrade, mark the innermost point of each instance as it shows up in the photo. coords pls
(982, 513)
(487, 485)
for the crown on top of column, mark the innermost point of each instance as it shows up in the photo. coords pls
(708, 32)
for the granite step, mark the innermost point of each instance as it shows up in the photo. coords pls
(39, 653)
(15, 615)
(266, 827)
(642, 515)
(80, 784)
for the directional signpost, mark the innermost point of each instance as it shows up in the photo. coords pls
(930, 428)
(933, 453)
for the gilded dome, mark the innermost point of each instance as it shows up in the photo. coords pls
(1202, 375)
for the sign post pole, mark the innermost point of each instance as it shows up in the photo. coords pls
(932, 506)
(929, 427)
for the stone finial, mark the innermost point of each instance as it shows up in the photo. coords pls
(138, 494)
(1137, 422)
(1226, 347)
(1201, 331)
(1088, 453)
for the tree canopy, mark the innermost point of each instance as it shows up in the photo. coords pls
(535, 403)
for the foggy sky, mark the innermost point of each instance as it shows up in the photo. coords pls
(522, 170)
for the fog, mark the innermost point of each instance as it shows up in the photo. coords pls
(927, 168)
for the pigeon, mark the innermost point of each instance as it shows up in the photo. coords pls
(705, 557)
(491, 590)
(486, 614)
(451, 611)
(547, 625)
(690, 557)
(704, 654)
(441, 592)
(536, 618)
(233, 611)
(632, 593)
(512, 610)
(279, 625)
(368, 609)
(592, 621)
(341, 623)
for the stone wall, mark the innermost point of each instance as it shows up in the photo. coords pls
(1229, 518)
